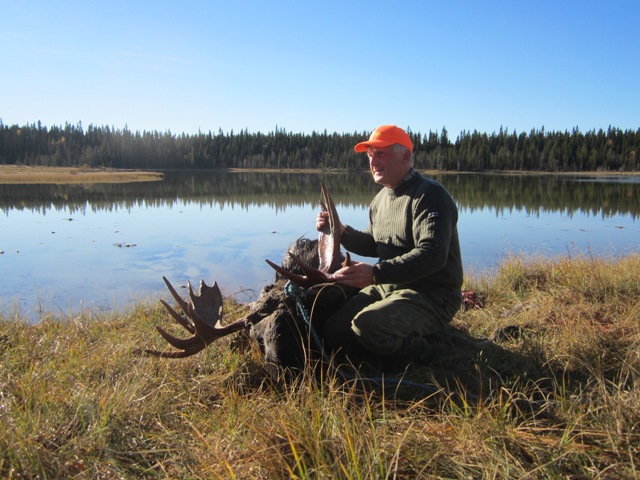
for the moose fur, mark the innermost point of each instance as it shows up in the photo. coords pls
(281, 329)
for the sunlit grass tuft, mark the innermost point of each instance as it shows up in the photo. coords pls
(555, 396)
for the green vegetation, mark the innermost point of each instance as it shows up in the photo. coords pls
(557, 395)
(71, 145)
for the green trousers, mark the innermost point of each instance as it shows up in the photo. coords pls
(388, 319)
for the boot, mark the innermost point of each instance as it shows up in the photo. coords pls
(419, 351)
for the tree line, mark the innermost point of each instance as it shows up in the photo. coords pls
(539, 150)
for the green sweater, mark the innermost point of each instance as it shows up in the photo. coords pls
(413, 231)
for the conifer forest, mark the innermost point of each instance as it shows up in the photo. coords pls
(611, 150)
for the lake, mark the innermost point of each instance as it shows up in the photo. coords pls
(102, 247)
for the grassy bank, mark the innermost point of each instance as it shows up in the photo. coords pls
(59, 175)
(555, 396)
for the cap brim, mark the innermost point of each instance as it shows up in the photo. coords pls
(364, 146)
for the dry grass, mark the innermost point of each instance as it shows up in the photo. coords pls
(59, 175)
(557, 398)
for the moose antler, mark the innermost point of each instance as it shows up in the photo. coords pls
(328, 250)
(200, 317)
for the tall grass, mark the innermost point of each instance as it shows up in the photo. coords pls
(554, 396)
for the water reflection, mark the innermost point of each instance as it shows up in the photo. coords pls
(103, 245)
(603, 196)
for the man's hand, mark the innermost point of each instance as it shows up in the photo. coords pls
(358, 275)
(322, 223)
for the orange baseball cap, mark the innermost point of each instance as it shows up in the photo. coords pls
(385, 136)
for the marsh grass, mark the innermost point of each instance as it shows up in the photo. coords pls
(20, 174)
(555, 396)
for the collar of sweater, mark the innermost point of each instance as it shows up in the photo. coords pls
(403, 184)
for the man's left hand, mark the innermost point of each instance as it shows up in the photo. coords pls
(358, 275)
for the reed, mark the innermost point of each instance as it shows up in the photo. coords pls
(554, 396)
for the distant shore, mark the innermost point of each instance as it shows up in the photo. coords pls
(58, 175)
(19, 174)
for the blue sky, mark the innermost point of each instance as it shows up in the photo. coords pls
(341, 66)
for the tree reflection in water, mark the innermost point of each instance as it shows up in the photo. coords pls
(102, 245)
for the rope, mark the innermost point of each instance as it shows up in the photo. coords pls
(293, 290)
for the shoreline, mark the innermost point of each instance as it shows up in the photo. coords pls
(421, 170)
(18, 174)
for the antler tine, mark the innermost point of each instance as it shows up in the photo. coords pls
(187, 347)
(300, 280)
(312, 277)
(181, 343)
(177, 298)
(347, 259)
(179, 318)
(202, 319)
(190, 350)
(329, 206)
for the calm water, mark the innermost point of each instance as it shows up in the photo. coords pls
(102, 247)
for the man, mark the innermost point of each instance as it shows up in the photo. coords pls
(414, 288)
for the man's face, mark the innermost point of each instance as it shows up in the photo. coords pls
(388, 165)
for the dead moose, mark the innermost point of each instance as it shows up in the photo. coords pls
(275, 319)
